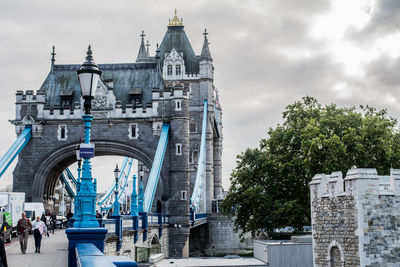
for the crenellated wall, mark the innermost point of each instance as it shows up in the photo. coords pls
(356, 220)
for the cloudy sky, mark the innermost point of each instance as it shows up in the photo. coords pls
(267, 54)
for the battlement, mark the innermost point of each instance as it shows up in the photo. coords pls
(358, 182)
(34, 105)
(30, 96)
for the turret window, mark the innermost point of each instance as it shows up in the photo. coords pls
(178, 105)
(62, 132)
(169, 70)
(178, 69)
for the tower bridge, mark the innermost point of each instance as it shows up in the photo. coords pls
(132, 105)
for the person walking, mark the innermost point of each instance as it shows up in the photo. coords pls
(23, 226)
(39, 228)
(3, 256)
(53, 220)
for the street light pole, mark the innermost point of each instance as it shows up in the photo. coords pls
(116, 202)
(134, 205)
(141, 196)
(88, 75)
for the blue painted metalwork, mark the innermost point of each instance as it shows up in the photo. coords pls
(86, 195)
(116, 202)
(67, 186)
(134, 203)
(154, 175)
(71, 176)
(197, 219)
(141, 197)
(126, 170)
(145, 225)
(15, 148)
(201, 165)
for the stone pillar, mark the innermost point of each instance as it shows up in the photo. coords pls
(217, 168)
(179, 175)
(209, 168)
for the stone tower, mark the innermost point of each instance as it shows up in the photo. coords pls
(131, 103)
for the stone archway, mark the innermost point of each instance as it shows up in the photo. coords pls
(47, 173)
(335, 255)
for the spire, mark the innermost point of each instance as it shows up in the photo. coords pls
(53, 58)
(175, 21)
(147, 48)
(142, 55)
(205, 51)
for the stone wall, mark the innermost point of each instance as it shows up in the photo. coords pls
(223, 240)
(358, 226)
(128, 246)
(335, 219)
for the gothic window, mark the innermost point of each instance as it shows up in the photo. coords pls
(169, 69)
(62, 132)
(133, 131)
(178, 149)
(178, 69)
(178, 105)
(195, 156)
(192, 126)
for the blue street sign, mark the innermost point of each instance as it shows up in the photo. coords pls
(87, 150)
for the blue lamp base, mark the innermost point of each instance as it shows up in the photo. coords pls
(95, 236)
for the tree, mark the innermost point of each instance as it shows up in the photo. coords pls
(270, 184)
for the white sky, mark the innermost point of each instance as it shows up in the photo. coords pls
(267, 54)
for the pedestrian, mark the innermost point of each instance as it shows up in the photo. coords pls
(53, 220)
(69, 215)
(3, 256)
(98, 215)
(39, 228)
(23, 227)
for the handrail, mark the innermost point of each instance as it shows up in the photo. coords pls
(154, 175)
(71, 176)
(15, 149)
(199, 183)
(67, 186)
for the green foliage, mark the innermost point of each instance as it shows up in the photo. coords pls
(269, 186)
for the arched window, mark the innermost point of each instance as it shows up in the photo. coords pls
(169, 69)
(178, 69)
(195, 156)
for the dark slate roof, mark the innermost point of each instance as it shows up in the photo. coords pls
(205, 51)
(125, 76)
(175, 37)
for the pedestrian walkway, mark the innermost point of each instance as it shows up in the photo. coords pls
(53, 253)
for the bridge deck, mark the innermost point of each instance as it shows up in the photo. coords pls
(53, 252)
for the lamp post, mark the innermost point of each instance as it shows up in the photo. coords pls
(89, 75)
(78, 181)
(134, 205)
(141, 196)
(116, 202)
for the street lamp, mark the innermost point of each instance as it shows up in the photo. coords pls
(116, 202)
(141, 196)
(89, 75)
(141, 172)
(134, 205)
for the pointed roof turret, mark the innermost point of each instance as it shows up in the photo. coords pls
(205, 51)
(142, 55)
(175, 38)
